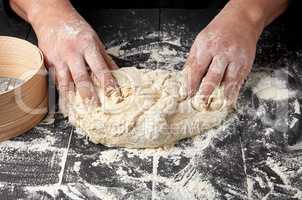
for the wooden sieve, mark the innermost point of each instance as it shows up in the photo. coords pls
(23, 105)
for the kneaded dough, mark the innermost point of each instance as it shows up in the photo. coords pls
(153, 110)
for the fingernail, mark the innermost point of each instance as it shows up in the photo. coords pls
(109, 90)
(205, 102)
(116, 96)
(204, 99)
(95, 80)
(190, 92)
(96, 101)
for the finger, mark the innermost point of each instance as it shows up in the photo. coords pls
(213, 76)
(100, 69)
(196, 71)
(65, 86)
(110, 62)
(65, 81)
(82, 80)
(191, 57)
(112, 65)
(232, 93)
(232, 82)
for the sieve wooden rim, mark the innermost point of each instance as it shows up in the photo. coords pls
(23, 124)
(35, 48)
(21, 59)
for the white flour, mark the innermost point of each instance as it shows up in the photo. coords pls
(163, 54)
(268, 87)
(108, 157)
(273, 88)
(39, 144)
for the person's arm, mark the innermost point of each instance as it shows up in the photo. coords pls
(70, 45)
(223, 53)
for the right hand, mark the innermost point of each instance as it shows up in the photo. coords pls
(72, 48)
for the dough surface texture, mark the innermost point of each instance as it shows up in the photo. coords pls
(152, 111)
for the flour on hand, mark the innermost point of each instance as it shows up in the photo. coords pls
(152, 111)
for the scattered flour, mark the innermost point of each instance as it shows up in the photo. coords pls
(71, 30)
(297, 111)
(163, 54)
(39, 144)
(272, 88)
(77, 166)
(108, 157)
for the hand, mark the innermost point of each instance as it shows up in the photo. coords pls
(223, 53)
(73, 49)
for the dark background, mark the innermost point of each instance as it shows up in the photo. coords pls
(290, 19)
(189, 4)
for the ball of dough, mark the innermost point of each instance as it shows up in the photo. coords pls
(152, 110)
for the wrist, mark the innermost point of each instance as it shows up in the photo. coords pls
(261, 12)
(47, 12)
(250, 14)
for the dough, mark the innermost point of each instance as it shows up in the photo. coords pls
(153, 110)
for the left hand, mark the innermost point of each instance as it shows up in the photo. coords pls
(223, 54)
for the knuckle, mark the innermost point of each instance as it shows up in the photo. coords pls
(87, 38)
(194, 69)
(216, 70)
(207, 44)
(64, 84)
(80, 78)
(62, 77)
(209, 84)
(203, 40)
(60, 68)
(63, 87)
(102, 69)
(60, 65)
(229, 85)
(213, 75)
(234, 52)
(99, 71)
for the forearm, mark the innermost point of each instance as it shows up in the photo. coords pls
(258, 13)
(263, 10)
(33, 11)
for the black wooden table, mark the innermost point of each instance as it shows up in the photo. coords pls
(255, 154)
